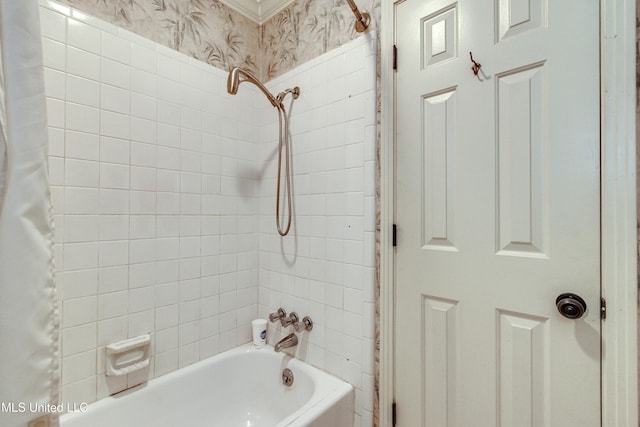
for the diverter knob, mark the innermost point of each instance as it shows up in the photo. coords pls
(571, 306)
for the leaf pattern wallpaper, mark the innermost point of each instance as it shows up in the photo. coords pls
(309, 28)
(214, 33)
(203, 29)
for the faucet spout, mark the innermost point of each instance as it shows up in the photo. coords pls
(290, 340)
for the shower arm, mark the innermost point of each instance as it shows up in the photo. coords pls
(362, 19)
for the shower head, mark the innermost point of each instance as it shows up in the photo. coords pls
(238, 75)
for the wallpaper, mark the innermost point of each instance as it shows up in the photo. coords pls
(203, 29)
(309, 28)
(218, 35)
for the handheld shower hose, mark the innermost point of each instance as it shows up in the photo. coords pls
(238, 75)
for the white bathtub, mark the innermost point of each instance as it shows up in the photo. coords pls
(238, 388)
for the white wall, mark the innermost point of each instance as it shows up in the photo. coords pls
(152, 167)
(325, 267)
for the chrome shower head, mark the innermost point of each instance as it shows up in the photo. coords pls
(238, 75)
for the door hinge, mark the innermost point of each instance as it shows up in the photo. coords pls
(395, 57)
(603, 308)
(393, 414)
(394, 239)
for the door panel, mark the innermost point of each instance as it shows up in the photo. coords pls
(523, 219)
(439, 130)
(497, 207)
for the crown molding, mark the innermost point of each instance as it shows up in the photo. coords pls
(259, 11)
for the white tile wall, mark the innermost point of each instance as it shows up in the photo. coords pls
(325, 267)
(164, 191)
(141, 217)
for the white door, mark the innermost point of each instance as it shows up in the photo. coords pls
(497, 208)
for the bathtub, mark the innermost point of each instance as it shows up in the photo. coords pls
(241, 387)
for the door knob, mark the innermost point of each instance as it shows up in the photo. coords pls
(571, 306)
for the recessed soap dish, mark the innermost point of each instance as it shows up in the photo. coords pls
(127, 356)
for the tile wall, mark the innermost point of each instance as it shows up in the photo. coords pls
(325, 268)
(152, 167)
(164, 195)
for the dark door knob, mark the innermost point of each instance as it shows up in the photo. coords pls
(571, 306)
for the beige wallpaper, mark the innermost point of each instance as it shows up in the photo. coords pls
(309, 28)
(218, 35)
(204, 29)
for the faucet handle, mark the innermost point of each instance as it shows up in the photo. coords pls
(291, 319)
(306, 324)
(279, 315)
(294, 320)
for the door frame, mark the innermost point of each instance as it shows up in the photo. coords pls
(619, 369)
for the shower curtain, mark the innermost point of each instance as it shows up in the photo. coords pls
(28, 304)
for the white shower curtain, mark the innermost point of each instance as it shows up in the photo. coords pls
(28, 305)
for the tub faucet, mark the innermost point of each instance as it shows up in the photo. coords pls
(290, 340)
